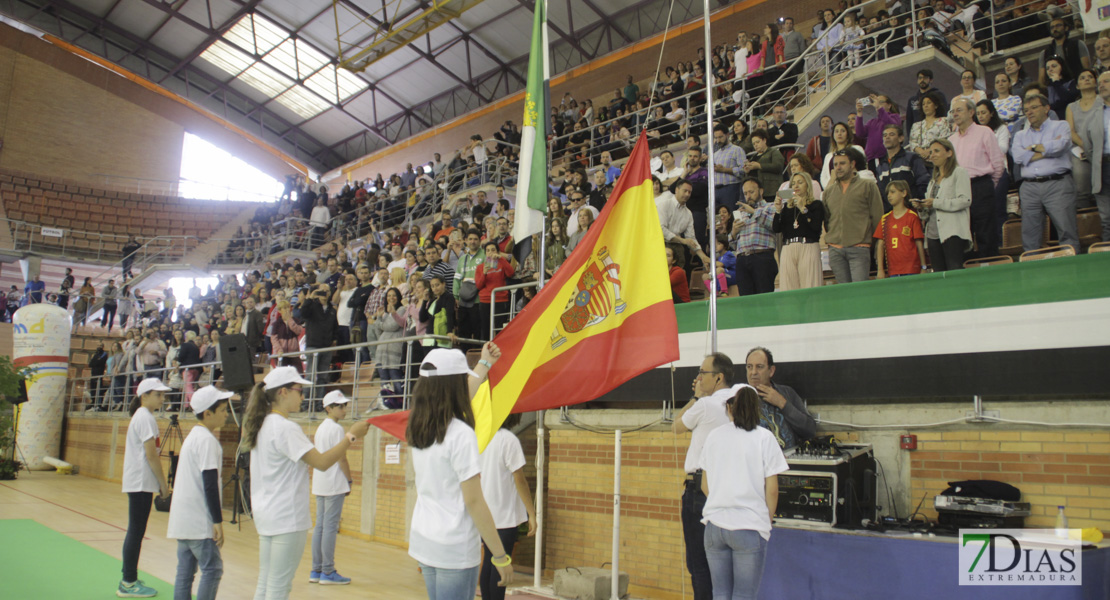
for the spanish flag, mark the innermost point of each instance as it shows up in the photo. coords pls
(604, 318)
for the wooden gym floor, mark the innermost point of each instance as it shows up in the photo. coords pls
(95, 512)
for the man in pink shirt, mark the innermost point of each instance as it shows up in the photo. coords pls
(978, 153)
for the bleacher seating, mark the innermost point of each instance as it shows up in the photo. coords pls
(99, 217)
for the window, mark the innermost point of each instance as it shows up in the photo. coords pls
(211, 173)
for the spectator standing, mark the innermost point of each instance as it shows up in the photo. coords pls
(320, 326)
(1007, 103)
(1061, 86)
(1016, 72)
(1071, 51)
(780, 130)
(110, 293)
(493, 272)
(755, 242)
(899, 239)
(319, 219)
(841, 140)
(931, 126)
(128, 252)
(765, 164)
(464, 289)
(896, 164)
(853, 207)
(34, 290)
(1102, 198)
(967, 88)
(872, 131)
(800, 222)
(1044, 153)
(1084, 116)
(947, 209)
(978, 153)
(729, 167)
(818, 145)
(985, 114)
(914, 110)
(680, 285)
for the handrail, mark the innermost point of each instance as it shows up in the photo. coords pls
(512, 289)
(172, 189)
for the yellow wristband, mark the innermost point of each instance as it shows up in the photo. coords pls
(508, 561)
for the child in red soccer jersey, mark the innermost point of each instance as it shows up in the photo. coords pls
(901, 241)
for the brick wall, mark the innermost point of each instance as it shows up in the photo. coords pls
(580, 507)
(1070, 468)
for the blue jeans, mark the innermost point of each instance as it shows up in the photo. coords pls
(693, 533)
(735, 562)
(190, 555)
(450, 584)
(328, 511)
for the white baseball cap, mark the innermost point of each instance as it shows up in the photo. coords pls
(205, 397)
(335, 397)
(151, 384)
(445, 361)
(283, 376)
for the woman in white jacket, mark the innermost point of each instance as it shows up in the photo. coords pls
(946, 210)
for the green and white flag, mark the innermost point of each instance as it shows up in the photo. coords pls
(531, 187)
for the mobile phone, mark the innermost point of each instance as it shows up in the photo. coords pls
(864, 101)
(785, 194)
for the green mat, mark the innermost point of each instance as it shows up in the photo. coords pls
(38, 563)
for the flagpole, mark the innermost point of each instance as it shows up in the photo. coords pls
(615, 577)
(711, 268)
(541, 455)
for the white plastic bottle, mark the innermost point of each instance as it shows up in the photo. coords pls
(1061, 523)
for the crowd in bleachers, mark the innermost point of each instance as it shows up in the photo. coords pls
(893, 188)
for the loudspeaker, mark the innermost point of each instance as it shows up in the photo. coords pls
(237, 362)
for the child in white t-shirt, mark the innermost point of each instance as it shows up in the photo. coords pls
(196, 516)
(330, 487)
(142, 477)
(451, 515)
(510, 501)
(852, 45)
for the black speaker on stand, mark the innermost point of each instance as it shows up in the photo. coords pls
(237, 360)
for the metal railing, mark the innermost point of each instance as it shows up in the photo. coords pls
(114, 393)
(182, 188)
(512, 311)
(29, 237)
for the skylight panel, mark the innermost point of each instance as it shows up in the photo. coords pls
(227, 58)
(266, 80)
(303, 102)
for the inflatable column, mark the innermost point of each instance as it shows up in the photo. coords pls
(41, 339)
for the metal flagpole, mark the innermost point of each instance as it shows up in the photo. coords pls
(616, 576)
(711, 268)
(541, 455)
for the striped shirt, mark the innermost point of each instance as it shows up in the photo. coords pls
(755, 230)
(731, 157)
(442, 269)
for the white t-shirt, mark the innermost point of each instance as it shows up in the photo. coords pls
(279, 480)
(443, 535)
(189, 516)
(400, 263)
(138, 476)
(343, 312)
(704, 416)
(737, 499)
(331, 482)
(501, 458)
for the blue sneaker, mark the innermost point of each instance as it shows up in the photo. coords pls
(313, 576)
(333, 578)
(135, 589)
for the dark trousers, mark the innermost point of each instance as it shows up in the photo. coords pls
(127, 266)
(470, 323)
(983, 228)
(108, 317)
(138, 513)
(1001, 190)
(727, 195)
(498, 311)
(947, 255)
(755, 273)
(701, 226)
(342, 338)
(488, 578)
(693, 533)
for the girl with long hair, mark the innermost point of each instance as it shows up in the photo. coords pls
(986, 113)
(556, 242)
(142, 478)
(949, 192)
(493, 273)
(841, 140)
(934, 126)
(280, 489)
(1006, 103)
(451, 514)
(1087, 133)
(741, 496)
(389, 324)
(800, 220)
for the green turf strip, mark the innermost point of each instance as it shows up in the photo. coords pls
(37, 562)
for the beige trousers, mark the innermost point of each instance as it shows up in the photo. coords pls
(800, 266)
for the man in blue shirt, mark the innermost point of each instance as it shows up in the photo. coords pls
(1044, 153)
(32, 293)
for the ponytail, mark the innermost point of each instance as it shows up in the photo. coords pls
(136, 402)
(744, 408)
(258, 406)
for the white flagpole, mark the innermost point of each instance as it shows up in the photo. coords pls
(711, 268)
(616, 576)
(541, 455)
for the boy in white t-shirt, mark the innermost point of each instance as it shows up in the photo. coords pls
(330, 487)
(196, 516)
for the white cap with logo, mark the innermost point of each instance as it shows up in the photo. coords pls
(283, 376)
(445, 361)
(151, 384)
(205, 397)
(335, 397)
